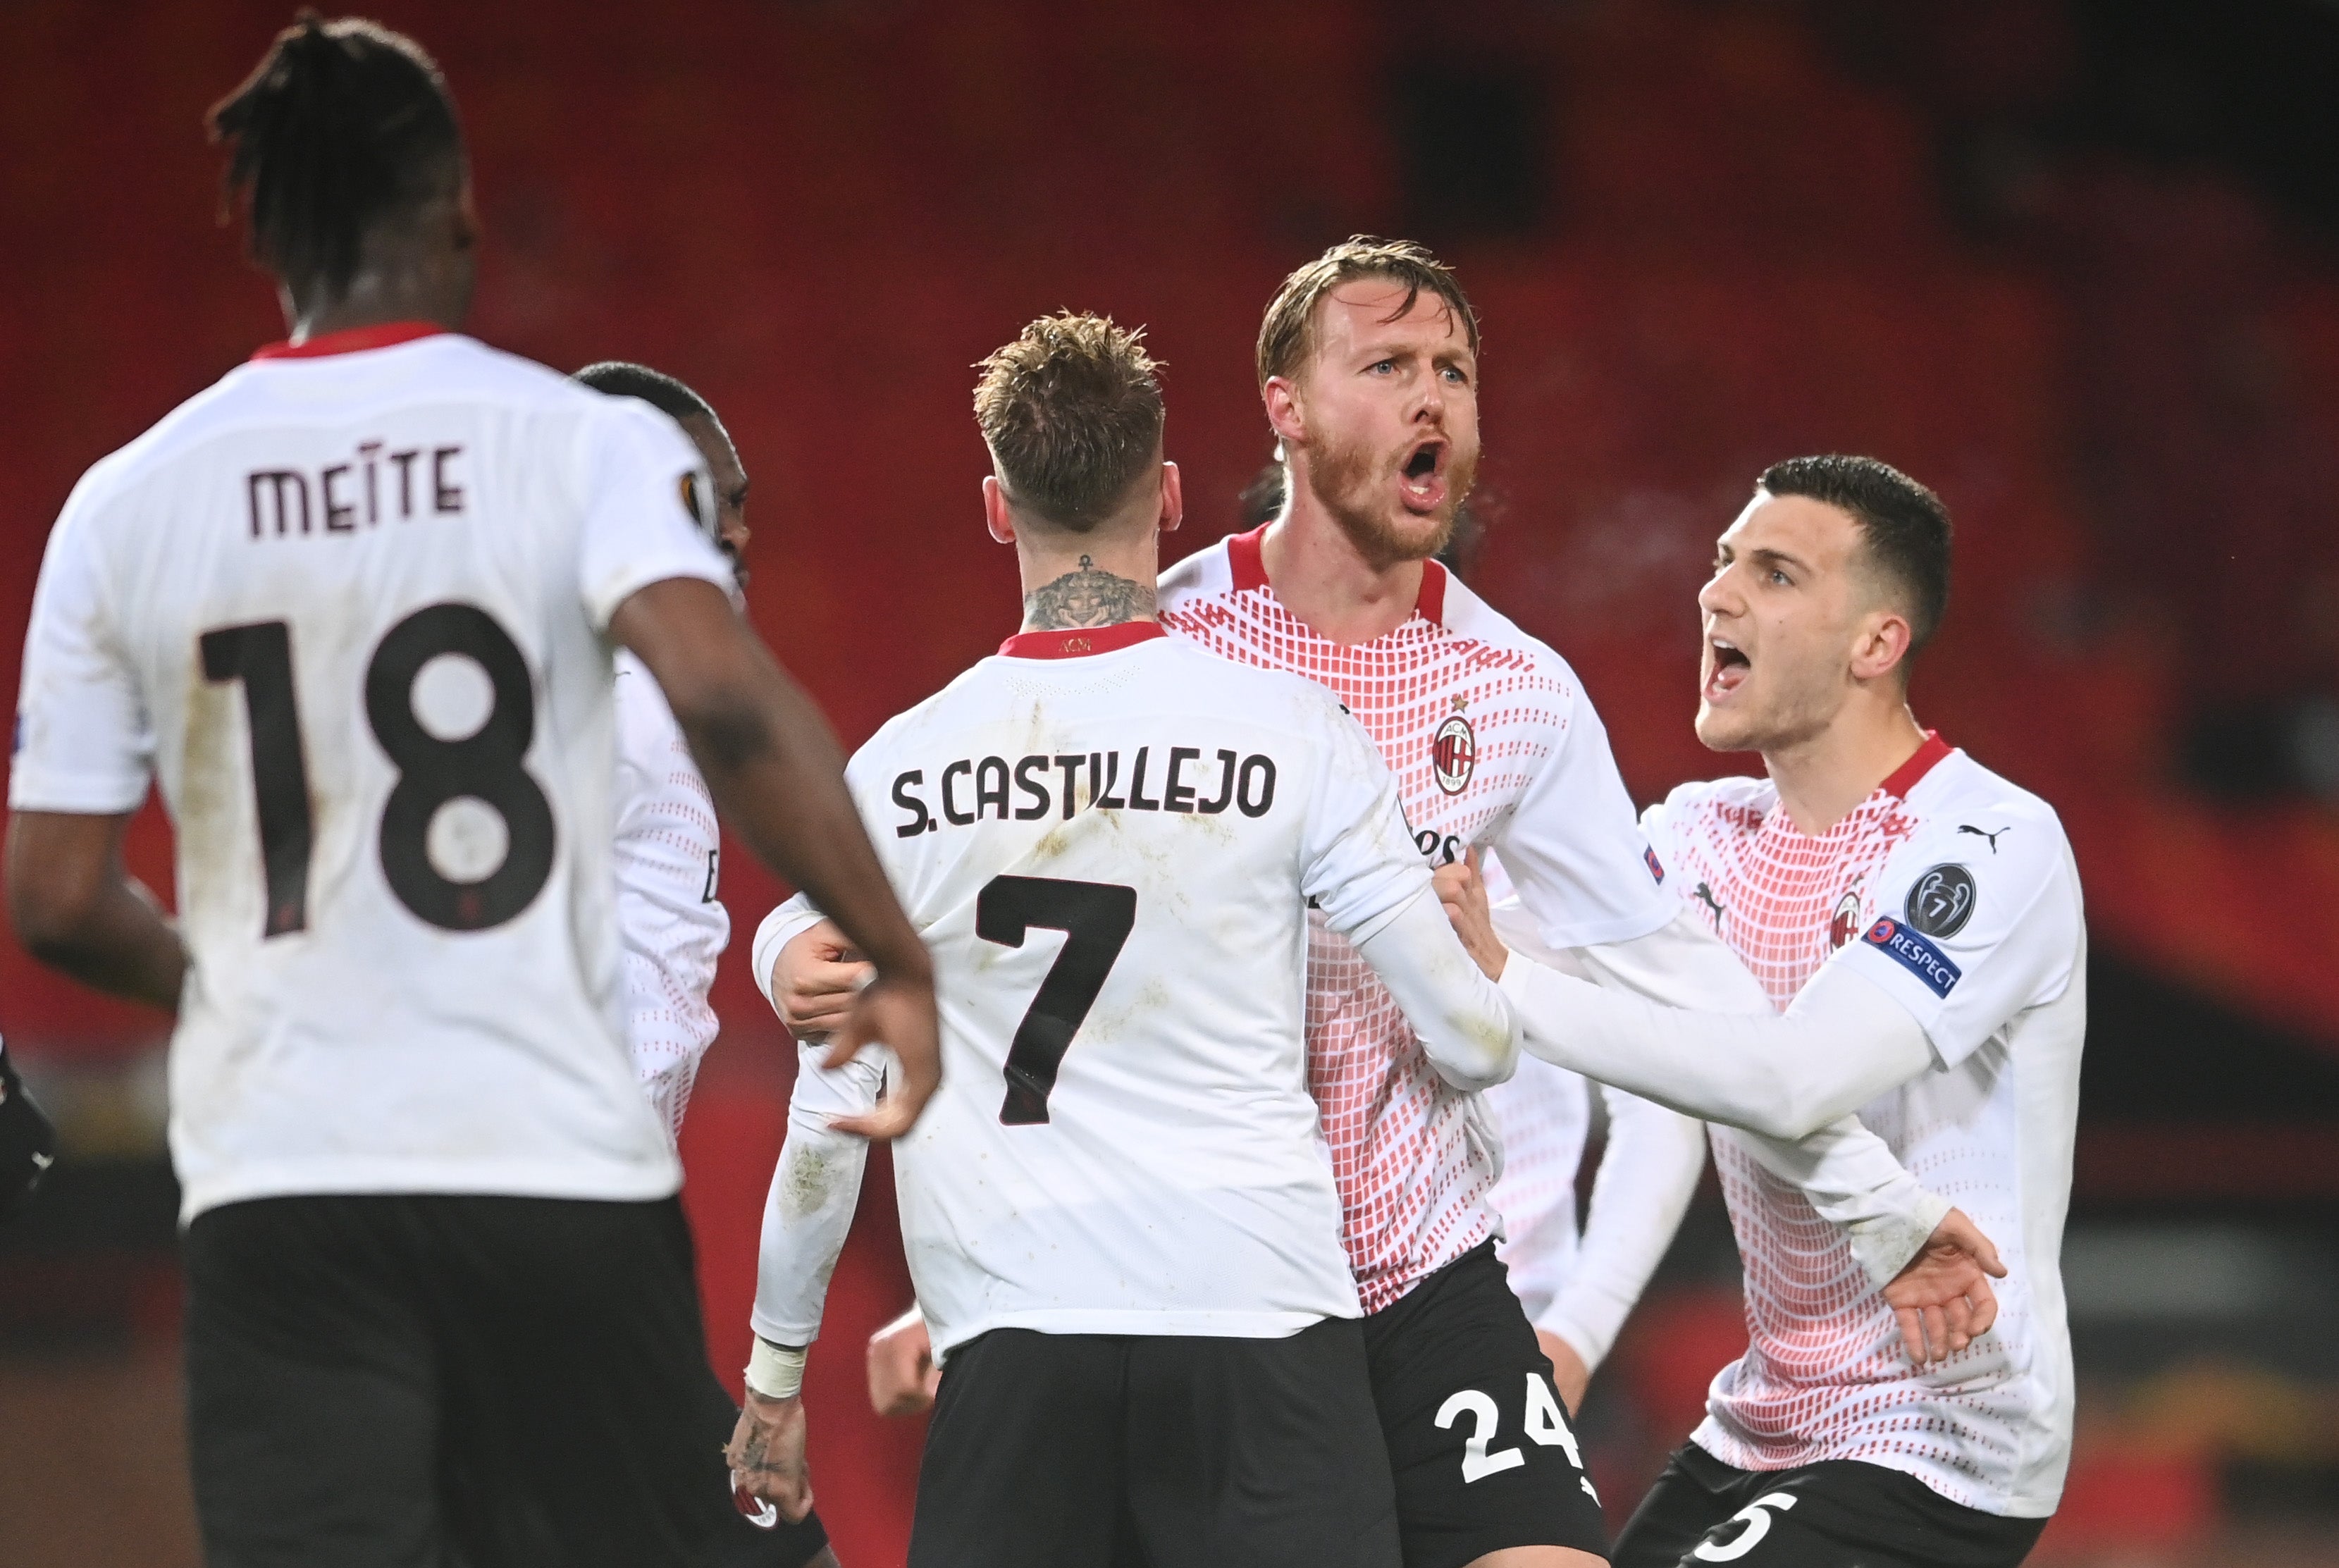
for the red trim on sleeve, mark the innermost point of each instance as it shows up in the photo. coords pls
(355, 340)
(1904, 777)
(1081, 641)
(1430, 603)
(1244, 560)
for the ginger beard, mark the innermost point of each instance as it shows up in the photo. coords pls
(1361, 488)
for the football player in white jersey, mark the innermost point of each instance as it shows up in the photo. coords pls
(1367, 365)
(668, 853)
(354, 606)
(1578, 1284)
(669, 846)
(1918, 919)
(1119, 1211)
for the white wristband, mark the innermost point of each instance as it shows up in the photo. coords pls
(776, 1371)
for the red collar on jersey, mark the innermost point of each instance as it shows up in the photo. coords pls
(1080, 641)
(351, 342)
(1249, 571)
(1904, 777)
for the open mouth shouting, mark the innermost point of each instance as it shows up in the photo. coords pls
(1726, 669)
(1421, 478)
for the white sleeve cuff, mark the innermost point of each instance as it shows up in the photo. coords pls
(32, 787)
(780, 927)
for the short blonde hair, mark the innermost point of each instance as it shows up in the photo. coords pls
(1287, 335)
(1071, 412)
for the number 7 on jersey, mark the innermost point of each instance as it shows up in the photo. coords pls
(1096, 918)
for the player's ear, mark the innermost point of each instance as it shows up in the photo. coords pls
(1173, 499)
(1283, 414)
(995, 513)
(467, 215)
(1881, 645)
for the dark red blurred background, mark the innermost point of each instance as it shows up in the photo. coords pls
(2070, 262)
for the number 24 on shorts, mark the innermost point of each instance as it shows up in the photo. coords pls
(1546, 1424)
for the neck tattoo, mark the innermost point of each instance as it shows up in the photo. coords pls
(1087, 598)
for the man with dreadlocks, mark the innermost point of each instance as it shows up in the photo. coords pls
(355, 605)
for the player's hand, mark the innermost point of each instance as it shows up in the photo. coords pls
(898, 1013)
(814, 979)
(1462, 891)
(902, 1376)
(1942, 1298)
(1569, 1375)
(768, 1455)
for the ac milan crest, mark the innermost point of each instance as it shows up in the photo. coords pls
(1846, 923)
(1454, 754)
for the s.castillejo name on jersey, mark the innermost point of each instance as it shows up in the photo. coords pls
(1197, 779)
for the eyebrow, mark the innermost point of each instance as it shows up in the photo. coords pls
(1764, 556)
(1440, 353)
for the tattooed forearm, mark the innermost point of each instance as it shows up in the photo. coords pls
(1087, 598)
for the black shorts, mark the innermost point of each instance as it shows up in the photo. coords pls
(1840, 1513)
(381, 1381)
(1073, 1450)
(1478, 1441)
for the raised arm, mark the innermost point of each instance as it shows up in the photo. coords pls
(1840, 1045)
(1846, 1171)
(1464, 1024)
(778, 778)
(1850, 1176)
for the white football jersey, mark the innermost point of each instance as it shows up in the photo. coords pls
(1108, 839)
(1542, 1118)
(674, 927)
(1955, 892)
(348, 605)
(1493, 742)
